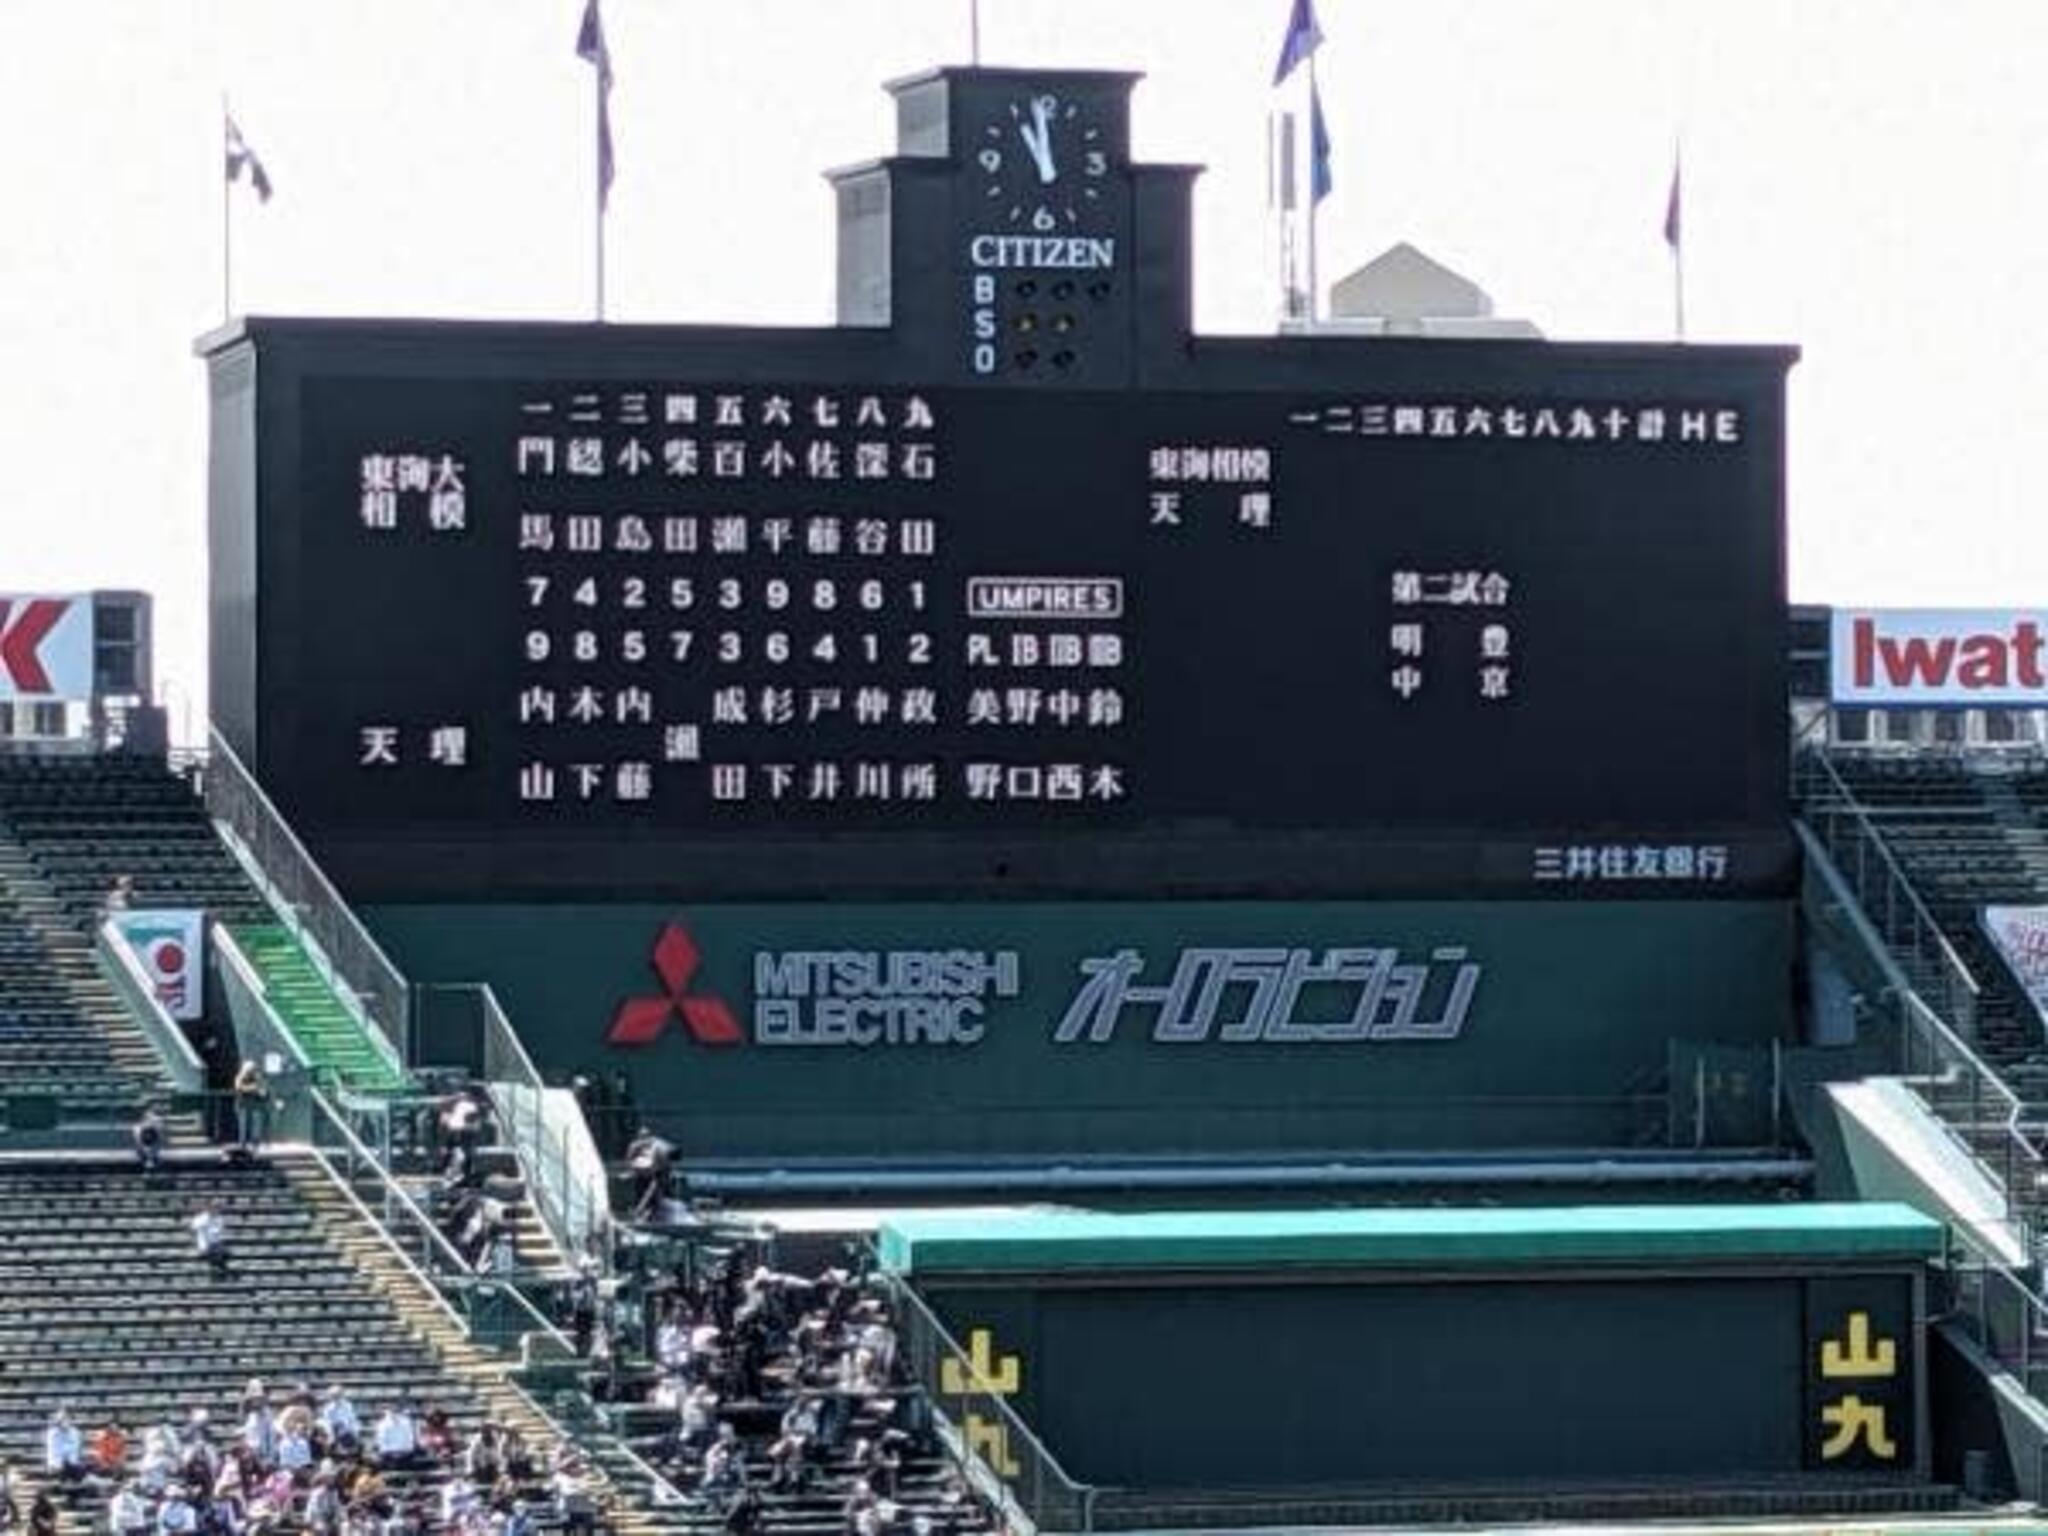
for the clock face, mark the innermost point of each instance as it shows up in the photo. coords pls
(1043, 162)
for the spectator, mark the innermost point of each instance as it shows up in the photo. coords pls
(462, 1116)
(725, 1464)
(398, 1437)
(520, 1521)
(252, 1106)
(42, 1515)
(176, 1516)
(323, 1506)
(574, 1505)
(338, 1415)
(437, 1435)
(149, 1140)
(63, 1448)
(159, 1460)
(699, 1420)
(120, 896)
(583, 1302)
(259, 1431)
(481, 1458)
(127, 1511)
(621, 1113)
(294, 1446)
(512, 1447)
(109, 1450)
(501, 1254)
(650, 1158)
(458, 1499)
(744, 1515)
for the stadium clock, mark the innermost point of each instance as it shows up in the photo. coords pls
(1044, 165)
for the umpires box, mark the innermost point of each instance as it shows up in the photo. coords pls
(1388, 1349)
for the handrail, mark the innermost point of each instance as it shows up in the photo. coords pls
(133, 985)
(437, 1241)
(1933, 1057)
(300, 888)
(1842, 809)
(547, 1130)
(661, 1489)
(1823, 862)
(1038, 1476)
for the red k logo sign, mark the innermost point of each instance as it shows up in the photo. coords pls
(22, 631)
(643, 1020)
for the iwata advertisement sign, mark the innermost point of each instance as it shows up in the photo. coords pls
(1925, 658)
(1129, 1028)
(2020, 935)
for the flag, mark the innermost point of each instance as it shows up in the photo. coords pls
(1673, 225)
(1318, 149)
(1303, 37)
(591, 49)
(241, 157)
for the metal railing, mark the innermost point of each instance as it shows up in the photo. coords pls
(363, 975)
(2006, 1317)
(1978, 1108)
(492, 1310)
(1980, 1112)
(1842, 826)
(546, 1127)
(975, 1420)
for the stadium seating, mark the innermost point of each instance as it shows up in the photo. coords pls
(881, 1448)
(87, 821)
(106, 1308)
(64, 1035)
(1965, 838)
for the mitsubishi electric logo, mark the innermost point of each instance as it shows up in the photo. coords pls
(826, 997)
(643, 1020)
(864, 997)
(1248, 996)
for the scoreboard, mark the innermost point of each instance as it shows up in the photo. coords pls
(703, 608)
(539, 610)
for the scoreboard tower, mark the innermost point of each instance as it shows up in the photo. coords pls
(1029, 679)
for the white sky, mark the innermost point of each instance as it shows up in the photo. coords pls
(1863, 177)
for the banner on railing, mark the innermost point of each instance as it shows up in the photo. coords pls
(169, 942)
(2020, 935)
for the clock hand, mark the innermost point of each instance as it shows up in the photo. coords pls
(1037, 136)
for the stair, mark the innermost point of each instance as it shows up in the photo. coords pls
(335, 1039)
(63, 1028)
(105, 1308)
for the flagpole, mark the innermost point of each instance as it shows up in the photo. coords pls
(227, 221)
(1313, 200)
(1678, 284)
(599, 207)
(1678, 244)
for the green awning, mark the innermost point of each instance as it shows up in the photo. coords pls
(1053, 1242)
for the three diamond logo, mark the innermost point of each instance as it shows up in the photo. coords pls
(643, 1020)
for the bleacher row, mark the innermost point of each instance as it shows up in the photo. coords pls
(787, 1391)
(84, 821)
(108, 1312)
(67, 827)
(1968, 835)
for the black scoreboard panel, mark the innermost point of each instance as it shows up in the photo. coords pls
(887, 636)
